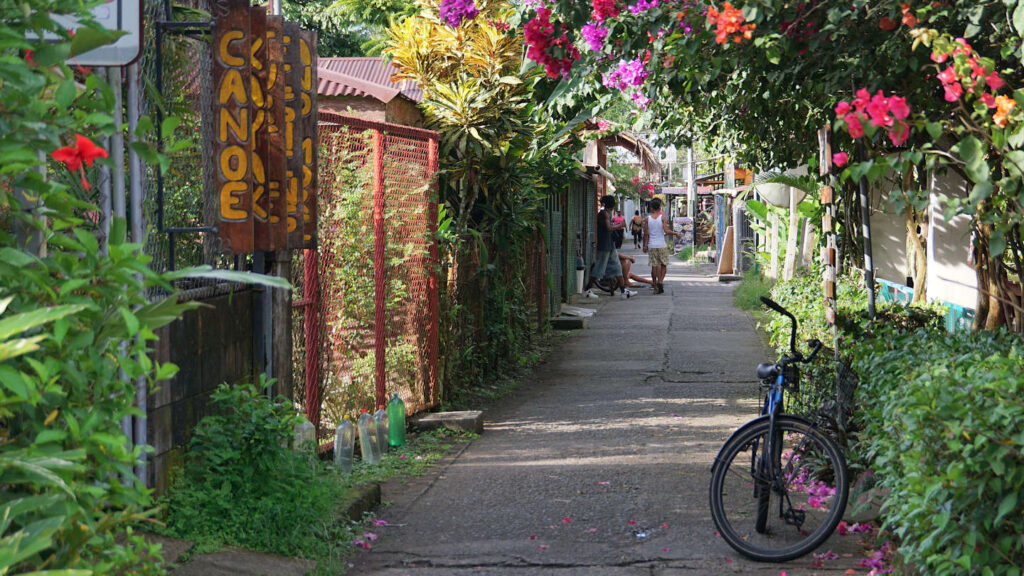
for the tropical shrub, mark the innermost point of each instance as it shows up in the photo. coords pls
(942, 417)
(242, 483)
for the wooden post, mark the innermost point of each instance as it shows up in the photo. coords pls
(791, 240)
(807, 253)
(379, 278)
(773, 246)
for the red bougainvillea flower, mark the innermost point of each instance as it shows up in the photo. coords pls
(887, 24)
(953, 91)
(30, 58)
(83, 152)
(988, 100)
(604, 9)
(843, 108)
(840, 159)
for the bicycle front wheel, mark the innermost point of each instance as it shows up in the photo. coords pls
(780, 506)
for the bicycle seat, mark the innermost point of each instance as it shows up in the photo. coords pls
(767, 370)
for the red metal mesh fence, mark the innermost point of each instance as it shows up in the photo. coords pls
(366, 321)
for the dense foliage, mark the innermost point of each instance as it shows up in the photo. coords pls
(244, 485)
(500, 155)
(942, 417)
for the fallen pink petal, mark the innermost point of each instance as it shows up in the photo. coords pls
(566, 520)
(533, 536)
(631, 522)
(542, 547)
(370, 536)
(380, 522)
(666, 549)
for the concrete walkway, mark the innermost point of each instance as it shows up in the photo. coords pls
(599, 464)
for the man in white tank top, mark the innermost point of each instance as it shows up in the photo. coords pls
(655, 230)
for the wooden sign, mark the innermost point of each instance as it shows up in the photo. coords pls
(266, 144)
(292, 135)
(269, 214)
(232, 142)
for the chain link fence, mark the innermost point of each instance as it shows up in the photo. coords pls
(366, 300)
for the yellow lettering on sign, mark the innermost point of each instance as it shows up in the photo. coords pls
(234, 163)
(257, 123)
(256, 45)
(289, 131)
(292, 199)
(229, 201)
(257, 169)
(232, 86)
(306, 57)
(307, 104)
(239, 126)
(307, 150)
(257, 210)
(257, 92)
(275, 197)
(230, 37)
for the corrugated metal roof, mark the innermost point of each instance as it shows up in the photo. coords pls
(363, 76)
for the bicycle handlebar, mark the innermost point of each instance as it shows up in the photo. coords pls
(815, 345)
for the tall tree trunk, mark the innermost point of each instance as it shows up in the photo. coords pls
(990, 313)
(917, 254)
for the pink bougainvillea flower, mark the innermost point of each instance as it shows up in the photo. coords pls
(839, 159)
(83, 152)
(605, 482)
(631, 522)
(380, 522)
(853, 125)
(843, 108)
(939, 57)
(994, 81)
(641, 6)
(369, 536)
(666, 549)
(594, 34)
(988, 100)
(947, 76)
(953, 91)
(898, 107)
(533, 536)
(566, 520)
(542, 547)
(878, 110)
(862, 100)
(899, 133)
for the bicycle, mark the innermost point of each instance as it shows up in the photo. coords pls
(779, 484)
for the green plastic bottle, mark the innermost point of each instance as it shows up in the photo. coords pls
(396, 422)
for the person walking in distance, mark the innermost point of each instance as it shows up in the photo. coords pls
(636, 227)
(656, 228)
(606, 263)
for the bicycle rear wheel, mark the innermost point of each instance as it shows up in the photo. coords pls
(806, 485)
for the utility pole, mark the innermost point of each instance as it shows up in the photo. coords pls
(691, 182)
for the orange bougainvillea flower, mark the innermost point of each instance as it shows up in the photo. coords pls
(1004, 104)
(729, 21)
(83, 152)
(909, 20)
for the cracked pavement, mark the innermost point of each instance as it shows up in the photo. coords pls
(599, 463)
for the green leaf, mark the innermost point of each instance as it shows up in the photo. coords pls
(88, 38)
(973, 155)
(1008, 505)
(1018, 17)
(229, 276)
(27, 320)
(65, 93)
(996, 246)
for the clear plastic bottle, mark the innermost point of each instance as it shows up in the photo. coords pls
(368, 439)
(304, 435)
(344, 445)
(396, 416)
(380, 425)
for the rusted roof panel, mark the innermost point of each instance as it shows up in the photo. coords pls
(364, 76)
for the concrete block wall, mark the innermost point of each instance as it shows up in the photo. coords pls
(210, 345)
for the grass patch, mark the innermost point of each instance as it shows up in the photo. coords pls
(747, 295)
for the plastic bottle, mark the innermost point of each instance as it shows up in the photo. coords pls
(304, 435)
(380, 425)
(344, 445)
(396, 415)
(368, 439)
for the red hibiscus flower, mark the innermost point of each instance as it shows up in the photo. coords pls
(83, 152)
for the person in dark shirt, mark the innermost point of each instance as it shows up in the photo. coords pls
(606, 263)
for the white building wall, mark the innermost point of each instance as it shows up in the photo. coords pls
(950, 277)
(888, 242)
